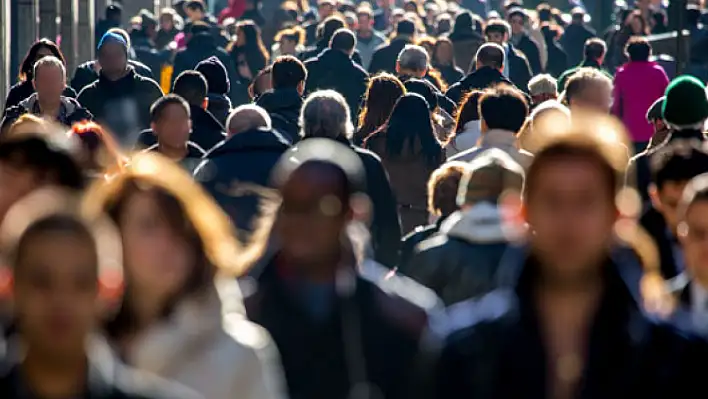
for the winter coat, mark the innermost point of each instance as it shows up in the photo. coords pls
(366, 47)
(242, 162)
(371, 336)
(653, 222)
(70, 111)
(557, 59)
(519, 70)
(283, 106)
(480, 79)
(464, 140)
(637, 86)
(199, 48)
(333, 69)
(573, 41)
(497, 138)
(531, 50)
(24, 89)
(451, 74)
(410, 242)
(164, 37)
(461, 261)
(219, 106)
(563, 79)
(465, 45)
(206, 131)
(682, 288)
(123, 106)
(495, 345)
(209, 346)
(386, 55)
(409, 173)
(86, 74)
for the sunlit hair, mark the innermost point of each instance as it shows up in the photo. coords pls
(295, 34)
(29, 123)
(581, 80)
(48, 61)
(381, 95)
(28, 62)
(468, 112)
(99, 146)
(442, 188)
(254, 50)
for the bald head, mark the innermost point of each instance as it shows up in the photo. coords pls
(247, 117)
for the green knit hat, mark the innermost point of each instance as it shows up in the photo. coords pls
(686, 103)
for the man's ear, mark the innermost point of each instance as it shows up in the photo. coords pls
(34, 85)
(654, 196)
(152, 127)
(301, 88)
(398, 68)
(205, 103)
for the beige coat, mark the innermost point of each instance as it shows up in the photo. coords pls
(209, 346)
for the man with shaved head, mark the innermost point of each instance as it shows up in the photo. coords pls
(247, 117)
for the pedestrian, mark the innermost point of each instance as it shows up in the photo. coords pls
(180, 258)
(120, 99)
(385, 57)
(237, 172)
(489, 64)
(201, 46)
(466, 40)
(325, 31)
(170, 25)
(443, 59)
(594, 52)
(367, 38)
(468, 127)
(503, 111)
(284, 101)
(382, 94)
(588, 90)
(557, 58)
(516, 65)
(196, 12)
(324, 305)
(410, 153)
(248, 52)
(24, 88)
(219, 87)
(48, 101)
(575, 36)
(518, 19)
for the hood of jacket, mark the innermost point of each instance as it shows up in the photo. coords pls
(484, 77)
(219, 102)
(281, 101)
(201, 42)
(465, 34)
(252, 140)
(120, 86)
(481, 223)
(334, 59)
(68, 104)
(202, 119)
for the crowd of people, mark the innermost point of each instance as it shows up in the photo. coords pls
(414, 200)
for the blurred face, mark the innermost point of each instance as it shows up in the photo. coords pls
(636, 25)
(55, 293)
(310, 204)
(42, 52)
(694, 240)
(384, 3)
(444, 54)
(16, 182)
(287, 46)
(242, 66)
(517, 24)
(49, 82)
(173, 127)
(666, 200)
(193, 14)
(364, 22)
(595, 97)
(325, 10)
(166, 23)
(113, 59)
(240, 38)
(158, 260)
(571, 213)
(496, 37)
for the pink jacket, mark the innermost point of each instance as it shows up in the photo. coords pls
(637, 85)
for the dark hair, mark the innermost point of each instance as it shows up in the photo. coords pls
(327, 28)
(405, 27)
(160, 105)
(253, 90)
(51, 162)
(594, 49)
(65, 224)
(425, 89)
(381, 96)
(254, 50)
(442, 189)
(517, 12)
(443, 41)
(496, 26)
(195, 5)
(503, 107)
(288, 72)
(113, 10)
(637, 14)
(577, 14)
(27, 66)
(638, 48)
(678, 161)
(192, 86)
(490, 55)
(343, 40)
(544, 12)
(410, 126)
(469, 109)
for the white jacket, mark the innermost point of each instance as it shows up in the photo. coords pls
(208, 345)
(465, 139)
(497, 138)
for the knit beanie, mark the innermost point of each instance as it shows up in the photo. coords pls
(686, 103)
(215, 74)
(111, 37)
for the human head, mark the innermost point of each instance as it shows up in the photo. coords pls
(169, 19)
(251, 54)
(546, 114)
(497, 31)
(113, 55)
(544, 12)
(410, 122)
(672, 167)
(365, 16)
(425, 89)
(686, 104)
(326, 28)
(543, 87)
(343, 40)
(490, 55)
(99, 151)
(261, 83)
(636, 24)
(289, 73)
(517, 20)
(442, 189)
(325, 9)
(114, 13)
(170, 122)
(195, 10)
(247, 117)
(491, 176)
(412, 60)
(594, 50)
(503, 108)
(693, 228)
(405, 28)
(40, 48)
(49, 79)
(289, 40)
(577, 16)
(638, 49)
(383, 92)
(215, 74)
(325, 114)
(654, 117)
(589, 89)
(469, 110)
(192, 87)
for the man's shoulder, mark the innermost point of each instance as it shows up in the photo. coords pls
(470, 319)
(132, 384)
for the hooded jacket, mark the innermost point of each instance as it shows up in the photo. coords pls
(199, 48)
(219, 106)
(70, 111)
(283, 106)
(497, 138)
(24, 89)
(208, 345)
(461, 261)
(480, 79)
(384, 58)
(86, 73)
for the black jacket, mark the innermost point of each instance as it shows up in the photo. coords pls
(372, 335)
(573, 41)
(243, 161)
(206, 131)
(410, 242)
(315, 51)
(152, 57)
(70, 111)
(283, 106)
(480, 79)
(199, 48)
(653, 222)
(384, 58)
(557, 59)
(496, 349)
(86, 74)
(123, 106)
(333, 69)
(24, 89)
(220, 106)
(450, 73)
(530, 49)
(519, 70)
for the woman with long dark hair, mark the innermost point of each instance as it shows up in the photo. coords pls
(468, 127)
(443, 59)
(410, 152)
(634, 25)
(383, 92)
(182, 317)
(24, 88)
(248, 51)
